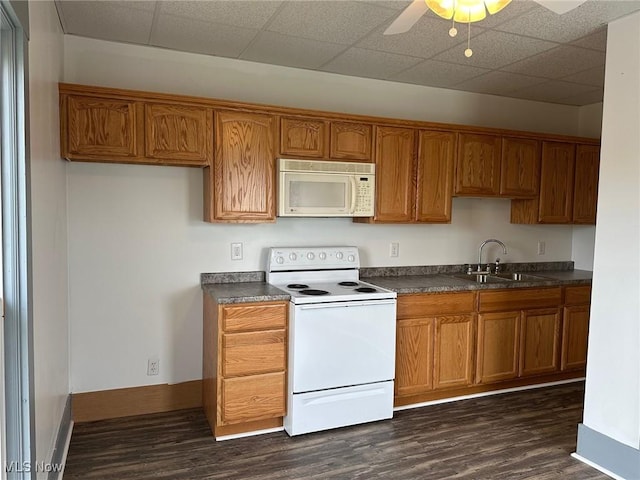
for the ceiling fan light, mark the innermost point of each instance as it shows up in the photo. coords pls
(442, 8)
(494, 6)
(469, 14)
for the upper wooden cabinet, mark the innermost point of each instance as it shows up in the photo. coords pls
(568, 186)
(520, 167)
(240, 185)
(478, 165)
(113, 129)
(395, 187)
(585, 189)
(350, 141)
(100, 129)
(434, 179)
(303, 137)
(178, 134)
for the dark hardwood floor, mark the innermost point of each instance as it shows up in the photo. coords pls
(523, 435)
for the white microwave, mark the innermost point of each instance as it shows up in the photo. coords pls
(316, 188)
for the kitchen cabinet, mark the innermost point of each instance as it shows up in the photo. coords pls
(434, 176)
(434, 343)
(518, 333)
(178, 134)
(244, 365)
(303, 137)
(395, 188)
(520, 167)
(350, 141)
(575, 327)
(585, 190)
(240, 186)
(477, 171)
(100, 129)
(556, 182)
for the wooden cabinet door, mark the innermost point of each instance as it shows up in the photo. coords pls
(453, 351)
(540, 341)
(254, 397)
(434, 172)
(101, 128)
(394, 174)
(350, 141)
(498, 346)
(478, 165)
(414, 356)
(244, 168)
(585, 189)
(556, 182)
(303, 137)
(575, 332)
(179, 134)
(520, 167)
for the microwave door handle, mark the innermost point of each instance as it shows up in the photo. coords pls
(353, 194)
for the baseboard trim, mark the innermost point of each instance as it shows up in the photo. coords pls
(124, 402)
(63, 439)
(607, 454)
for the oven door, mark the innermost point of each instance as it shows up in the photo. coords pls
(341, 344)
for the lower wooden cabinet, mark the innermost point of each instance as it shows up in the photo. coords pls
(244, 365)
(575, 328)
(453, 351)
(539, 341)
(498, 346)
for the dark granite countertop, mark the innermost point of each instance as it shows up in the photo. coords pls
(243, 287)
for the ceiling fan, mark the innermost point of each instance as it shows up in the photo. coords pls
(445, 9)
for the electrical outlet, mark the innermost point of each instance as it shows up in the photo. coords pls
(394, 249)
(236, 251)
(153, 366)
(541, 247)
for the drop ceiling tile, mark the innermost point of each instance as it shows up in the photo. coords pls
(277, 49)
(398, 5)
(593, 77)
(360, 62)
(494, 49)
(558, 62)
(190, 35)
(553, 91)
(239, 13)
(337, 21)
(515, 9)
(427, 38)
(438, 74)
(117, 21)
(595, 41)
(497, 83)
(586, 98)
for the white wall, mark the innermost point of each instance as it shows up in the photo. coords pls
(49, 228)
(137, 243)
(612, 401)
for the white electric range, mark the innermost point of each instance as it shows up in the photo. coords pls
(341, 339)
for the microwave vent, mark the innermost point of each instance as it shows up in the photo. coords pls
(319, 166)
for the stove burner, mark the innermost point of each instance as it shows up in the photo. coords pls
(348, 284)
(313, 291)
(366, 290)
(297, 286)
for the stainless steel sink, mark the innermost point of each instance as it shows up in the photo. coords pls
(521, 277)
(483, 278)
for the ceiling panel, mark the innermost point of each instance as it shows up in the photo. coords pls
(524, 51)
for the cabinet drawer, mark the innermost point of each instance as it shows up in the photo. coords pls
(577, 295)
(252, 398)
(253, 353)
(521, 299)
(418, 305)
(248, 317)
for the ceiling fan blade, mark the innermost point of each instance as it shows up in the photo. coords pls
(560, 6)
(407, 18)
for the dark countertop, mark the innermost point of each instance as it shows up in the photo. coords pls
(244, 287)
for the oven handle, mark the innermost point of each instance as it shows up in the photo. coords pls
(356, 303)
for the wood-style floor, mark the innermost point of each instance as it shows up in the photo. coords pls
(523, 435)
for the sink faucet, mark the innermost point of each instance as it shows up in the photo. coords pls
(490, 240)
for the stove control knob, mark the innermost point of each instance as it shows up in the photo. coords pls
(279, 260)
(339, 255)
(293, 257)
(310, 256)
(351, 258)
(322, 256)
